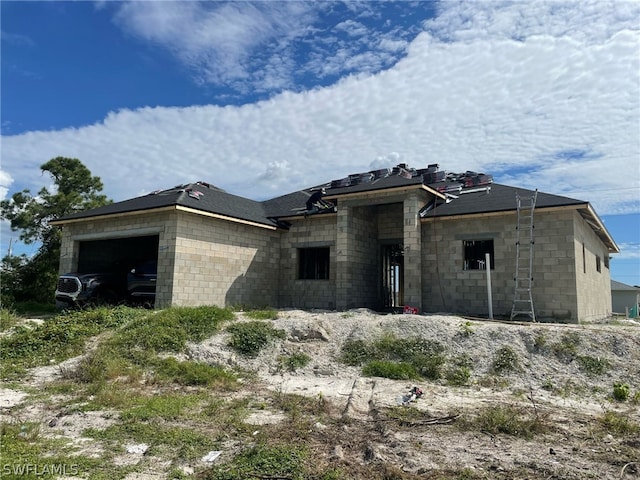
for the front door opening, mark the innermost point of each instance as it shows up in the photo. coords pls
(392, 276)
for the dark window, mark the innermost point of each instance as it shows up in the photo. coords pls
(474, 254)
(606, 261)
(598, 263)
(314, 263)
(584, 259)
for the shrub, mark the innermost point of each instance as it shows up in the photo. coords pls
(389, 369)
(424, 356)
(465, 329)
(356, 352)
(621, 391)
(8, 319)
(459, 373)
(248, 338)
(294, 361)
(508, 420)
(505, 360)
(592, 365)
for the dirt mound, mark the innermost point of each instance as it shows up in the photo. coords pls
(559, 377)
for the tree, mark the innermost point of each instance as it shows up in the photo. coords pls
(75, 190)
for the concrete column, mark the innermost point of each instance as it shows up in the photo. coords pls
(343, 280)
(412, 251)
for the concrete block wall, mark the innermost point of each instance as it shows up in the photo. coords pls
(312, 231)
(593, 286)
(390, 221)
(360, 260)
(412, 239)
(554, 291)
(448, 287)
(219, 262)
(161, 223)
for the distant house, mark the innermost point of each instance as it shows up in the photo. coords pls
(625, 298)
(381, 239)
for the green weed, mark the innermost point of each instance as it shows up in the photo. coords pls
(567, 349)
(193, 373)
(58, 338)
(390, 369)
(8, 319)
(395, 355)
(618, 423)
(267, 314)
(169, 330)
(165, 407)
(459, 373)
(263, 461)
(508, 420)
(294, 361)
(592, 365)
(505, 361)
(177, 442)
(621, 391)
(248, 338)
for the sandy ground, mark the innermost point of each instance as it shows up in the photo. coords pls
(556, 388)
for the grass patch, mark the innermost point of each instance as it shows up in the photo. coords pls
(248, 338)
(293, 362)
(390, 355)
(8, 319)
(58, 338)
(263, 461)
(176, 442)
(390, 369)
(508, 420)
(592, 365)
(459, 372)
(164, 407)
(266, 314)
(194, 373)
(566, 350)
(618, 424)
(28, 455)
(169, 330)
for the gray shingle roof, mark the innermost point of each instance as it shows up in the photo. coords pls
(199, 196)
(499, 198)
(210, 199)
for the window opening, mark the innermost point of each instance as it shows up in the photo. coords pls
(313, 263)
(474, 254)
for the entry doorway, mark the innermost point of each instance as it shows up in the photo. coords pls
(392, 275)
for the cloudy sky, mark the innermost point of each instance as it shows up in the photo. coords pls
(265, 98)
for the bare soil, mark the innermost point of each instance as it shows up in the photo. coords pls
(361, 429)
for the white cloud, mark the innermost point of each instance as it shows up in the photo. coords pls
(220, 42)
(540, 95)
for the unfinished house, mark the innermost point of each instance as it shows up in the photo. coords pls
(383, 239)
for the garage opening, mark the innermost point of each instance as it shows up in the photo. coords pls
(132, 262)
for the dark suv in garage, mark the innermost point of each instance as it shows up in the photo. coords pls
(86, 289)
